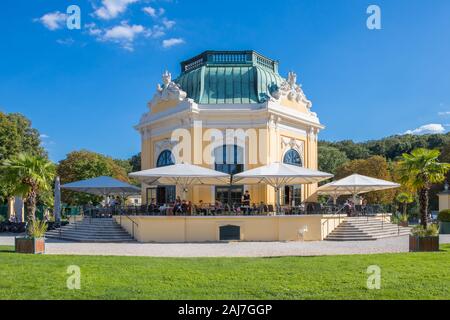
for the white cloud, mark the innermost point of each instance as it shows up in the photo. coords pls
(155, 32)
(123, 34)
(110, 9)
(150, 11)
(168, 23)
(44, 136)
(93, 30)
(168, 43)
(427, 129)
(53, 20)
(444, 113)
(66, 42)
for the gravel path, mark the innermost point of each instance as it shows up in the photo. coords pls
(233, 249)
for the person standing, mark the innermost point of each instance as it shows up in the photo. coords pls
(246, 202)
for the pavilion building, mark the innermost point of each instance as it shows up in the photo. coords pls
(223, 90)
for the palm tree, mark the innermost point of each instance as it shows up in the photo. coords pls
(405, 198)
(419, 170)
(27, 175)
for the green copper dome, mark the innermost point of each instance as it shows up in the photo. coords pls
(229, 77)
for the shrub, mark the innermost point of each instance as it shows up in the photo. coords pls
(37, 229)
(2, 219)
(444, 216)
(431, 231)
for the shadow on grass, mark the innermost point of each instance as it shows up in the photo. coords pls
(9, 249)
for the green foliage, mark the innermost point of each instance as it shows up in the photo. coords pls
(81, 165)
(135, 162)
(403, 218)
(419, 170)
(36, 229)
(2, 219)
(431, 230)
(392, 147)
(444, 216)
(331, 158)
(17, 136)
(27, 176)
(405, 198)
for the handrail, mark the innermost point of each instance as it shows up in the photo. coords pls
(132, 225)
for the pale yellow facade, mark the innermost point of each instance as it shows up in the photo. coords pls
(444, 201)
(174, 229)
(206, 229)
(274, 113)
(281, 135)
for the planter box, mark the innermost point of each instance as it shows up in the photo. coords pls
(444, 227)
(31, 246)
(403, 224)
(422, 244)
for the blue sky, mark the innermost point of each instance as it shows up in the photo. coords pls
(87, 88)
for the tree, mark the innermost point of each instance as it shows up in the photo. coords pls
(16, 136)
(405, 198)
(81, 165)
(136, 162)
(28, 175)
(420, 170)
(376, 167)
(331, 158)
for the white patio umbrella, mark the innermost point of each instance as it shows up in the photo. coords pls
(102, 186)
(182, 174)
(354, 185)
(57, 200)
(280, 174)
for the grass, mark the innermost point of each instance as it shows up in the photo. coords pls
(404, 276)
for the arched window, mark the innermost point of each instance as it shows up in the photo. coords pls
(292, 157)
(165, 159)
(292, 195)
(164, 194)
(229, 159)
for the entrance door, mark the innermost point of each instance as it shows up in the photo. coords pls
(165, 195)
(292, 195)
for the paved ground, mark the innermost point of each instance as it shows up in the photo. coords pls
(237, 249)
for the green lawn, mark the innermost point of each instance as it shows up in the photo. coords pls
(404, 276)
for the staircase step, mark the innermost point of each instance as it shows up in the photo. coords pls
(365, 229)
(92, 230)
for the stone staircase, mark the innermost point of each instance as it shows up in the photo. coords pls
(91, 230)
(365, 229)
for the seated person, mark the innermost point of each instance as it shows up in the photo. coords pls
(218, 207)
(202, 208)
(177, 208)
(263, 207)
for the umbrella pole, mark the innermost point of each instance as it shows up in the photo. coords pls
(277, 195)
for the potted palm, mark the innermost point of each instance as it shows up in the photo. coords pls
(419, 170)
(444, 221)
(404, 198)
(28, 175)
(34, 242)
(424, 239)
